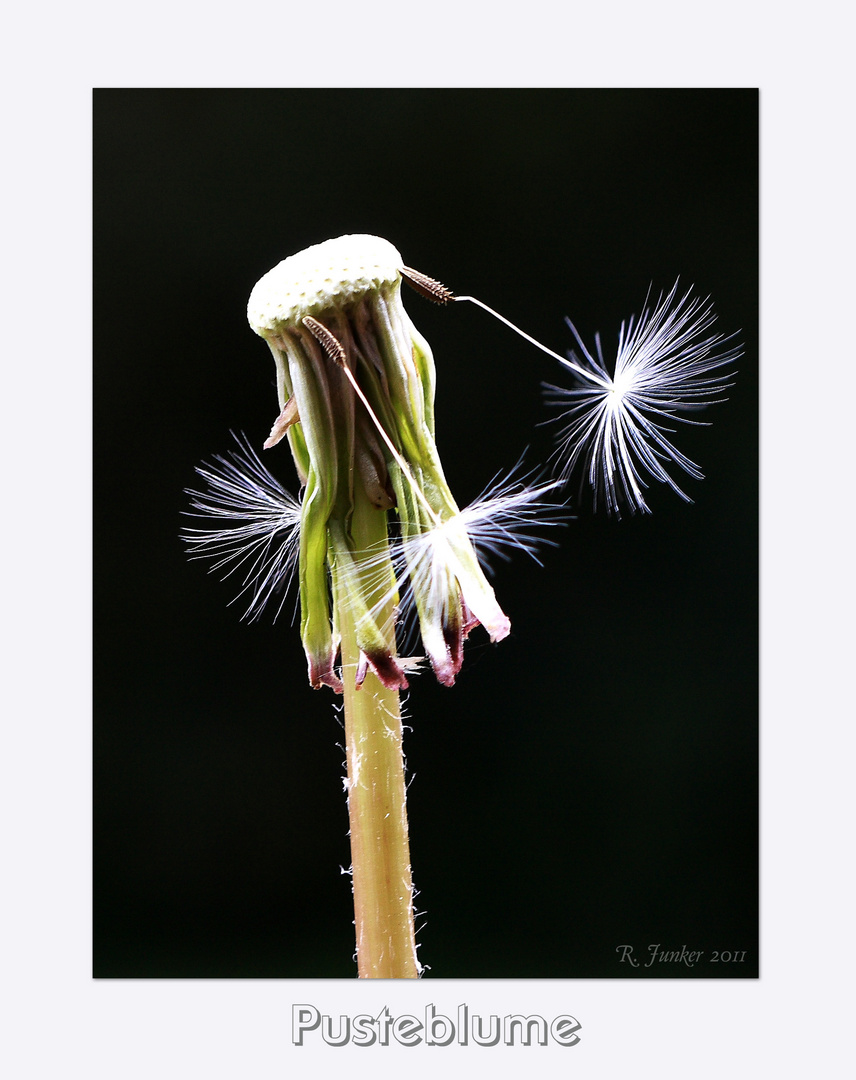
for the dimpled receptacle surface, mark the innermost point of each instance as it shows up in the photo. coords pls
(326, 275)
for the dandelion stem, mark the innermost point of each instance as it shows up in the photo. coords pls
(380, 849)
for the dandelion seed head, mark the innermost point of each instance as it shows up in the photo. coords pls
(356, 389)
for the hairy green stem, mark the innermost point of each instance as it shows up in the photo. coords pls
(380, 849)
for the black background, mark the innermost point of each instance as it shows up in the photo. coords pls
(591, 781)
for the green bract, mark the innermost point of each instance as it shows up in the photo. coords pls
(339, 304)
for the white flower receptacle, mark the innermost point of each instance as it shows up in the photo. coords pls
(327, 275)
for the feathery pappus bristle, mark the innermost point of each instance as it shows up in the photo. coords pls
(253, 528)
(666, 363)
(510, 515)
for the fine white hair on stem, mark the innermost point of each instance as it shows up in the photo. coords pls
(666, 363)
(254, 527)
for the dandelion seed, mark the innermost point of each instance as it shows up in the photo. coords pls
(666, 363)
